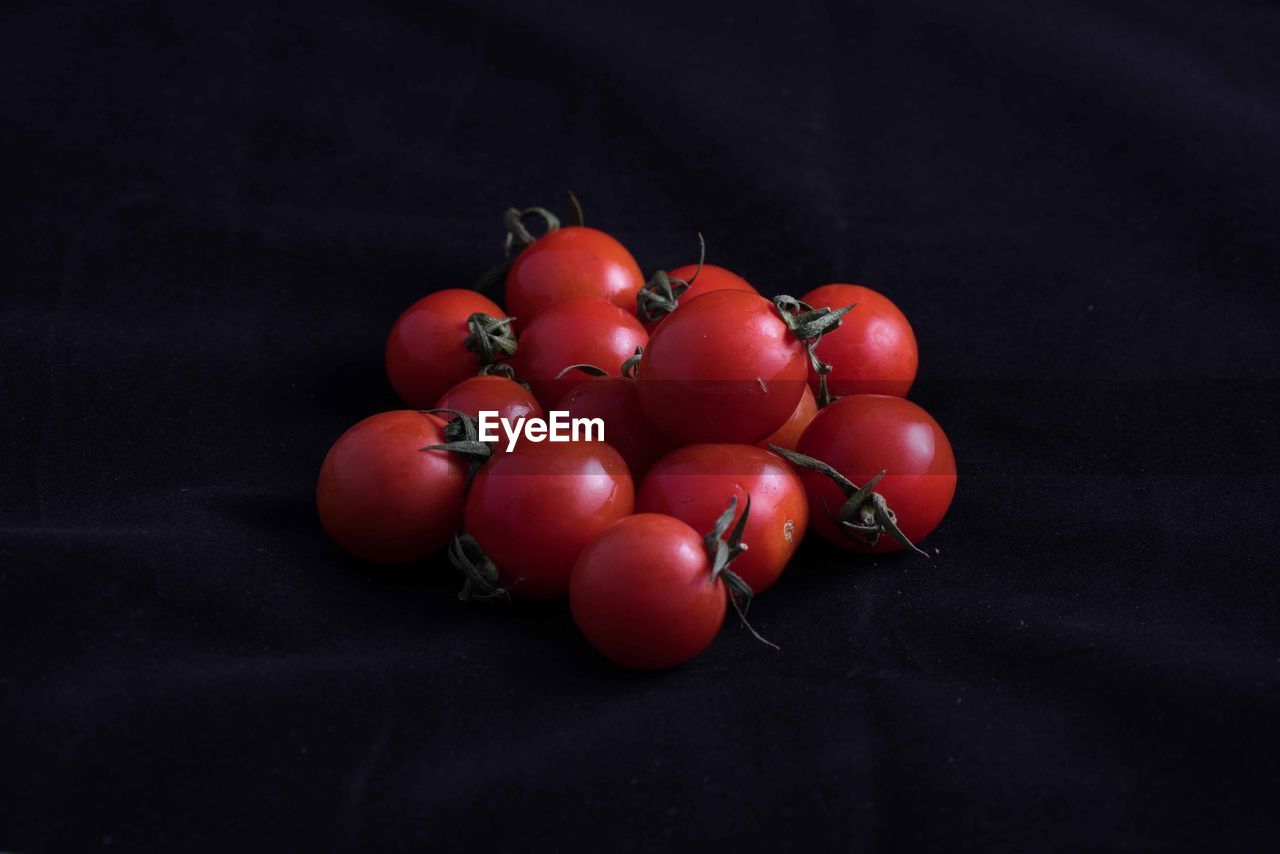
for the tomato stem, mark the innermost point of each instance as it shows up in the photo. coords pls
(481, 583)
(518, 237)
(722, 552)
(627, 370)
(809, 324)
(502, 369)
(586, 369)
(632, 364)
(462, 437)
(865, 515)
(490, 338)
(575, 210)
(661, 294)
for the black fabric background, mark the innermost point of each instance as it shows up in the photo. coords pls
(214, 213)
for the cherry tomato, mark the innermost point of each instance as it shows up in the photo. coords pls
(383, 499)
(722, 368)
(642, 593)
(711, 278)
(534, 509)
(873, 351)
(788, 434)
(616, 401)
(426, 351)
(573, 261)
(695, 483)
(490, 393)
(575, 331)
(862, 435)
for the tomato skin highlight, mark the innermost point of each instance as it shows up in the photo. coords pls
(425, 353)
(575, 331)
(862, 435)
(382, 499)
(789, 433)
(722, 368)
(642, 595)
(534, 509)
(873, 351)
(695, 483)
(573, 261)
(494, 394)
(712, 278)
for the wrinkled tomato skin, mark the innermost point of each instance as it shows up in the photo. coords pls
(573, 261)
(616, 402)
(862, 435)
(426, 353)
(874, 349)
(695, 484)
(575, 331)
(534, 509)
(712, 278)
(722, 368)
(493, 394)
(382, 499)
(640, 593)
(788, 434)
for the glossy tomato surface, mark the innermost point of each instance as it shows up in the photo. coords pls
(575, 331)
(722, 368)
(789, 433)
(573, 261)
(712, 278)
(640, 593)
(534, 509)
(426, 353)
(491, 393)
(384, 500)
(862, 435)
(616, 401)
(695, 484)
(874, 349)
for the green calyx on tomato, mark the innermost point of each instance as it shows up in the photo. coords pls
(482, 582)
(519, 236)
(628, 369)
(722, 552)
(490, 338)
(463, 438)
(809, 325)
(661, 294)
(504, 370)
(865, 515)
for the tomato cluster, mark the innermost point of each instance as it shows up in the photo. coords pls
(732, 424)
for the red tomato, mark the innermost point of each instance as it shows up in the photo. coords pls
(642, 593)
(695, 483)
(383, 499)
(616, 401)
(788, 434)
(722, 368)
(491, 393)
(427, 351)
(860, 436)
(711, 278)
(873, 351)
(573, 261)
(575, 331)
(534, 509)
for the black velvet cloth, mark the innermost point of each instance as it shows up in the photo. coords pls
(215, 212)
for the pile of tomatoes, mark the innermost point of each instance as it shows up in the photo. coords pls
(733, 423)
